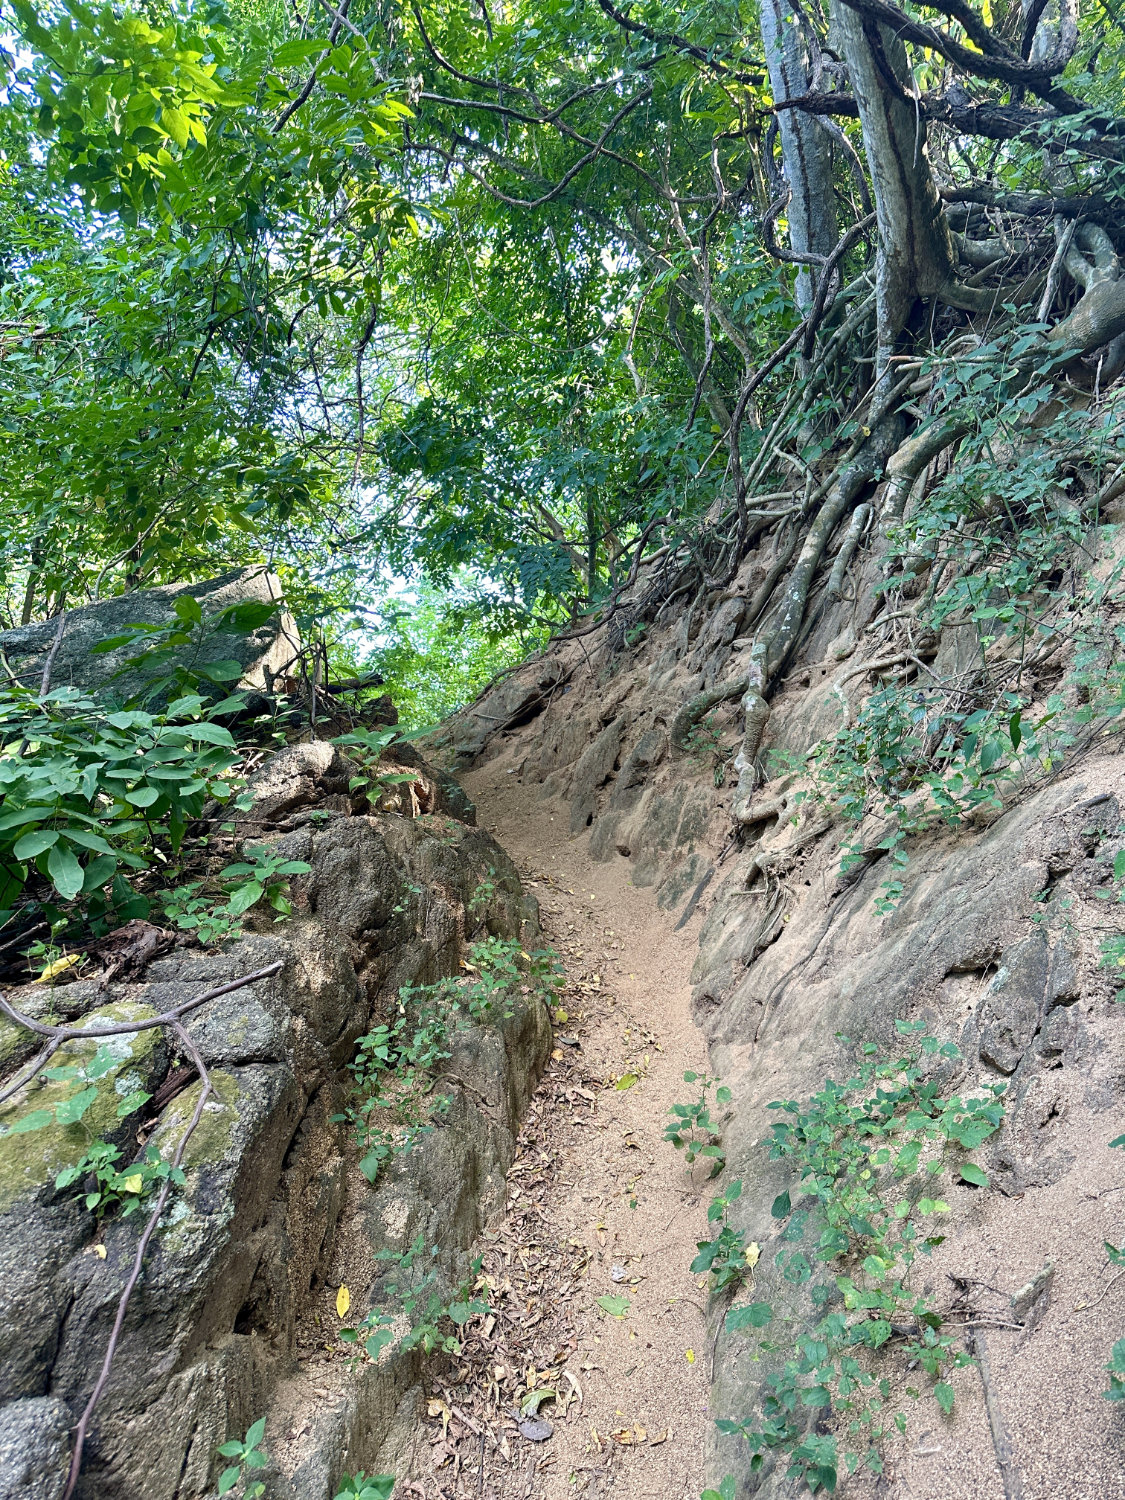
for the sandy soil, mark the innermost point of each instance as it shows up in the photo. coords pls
(599, 1206)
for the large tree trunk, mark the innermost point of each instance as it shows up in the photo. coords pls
(915, 254)
(806, 150)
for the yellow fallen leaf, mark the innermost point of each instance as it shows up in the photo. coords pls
(561, 1017)
(527, 956)
(753, 1252)
(59, 966)
(134, 1183)
(689, 1355)
(343, 1302)
(660, 1437)
(623, 1435)
(99, 1251)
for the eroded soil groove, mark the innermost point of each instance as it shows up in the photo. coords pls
(599, 1207)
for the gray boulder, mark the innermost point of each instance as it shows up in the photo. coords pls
(262, 652)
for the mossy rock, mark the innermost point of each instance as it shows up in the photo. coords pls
(29, 1161)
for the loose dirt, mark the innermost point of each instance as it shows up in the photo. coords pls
(599, 1206)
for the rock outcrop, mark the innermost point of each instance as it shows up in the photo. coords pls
(240, 1280)
(262, 651)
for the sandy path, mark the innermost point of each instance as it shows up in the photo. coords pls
(599, 1205)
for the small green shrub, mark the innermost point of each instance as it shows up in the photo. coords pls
(724, 1256)
(126, 1187)
(248, 1457)
(365, 1487)
(262, 875)
(692, 1131)
(412, 1288)
(391, 1104)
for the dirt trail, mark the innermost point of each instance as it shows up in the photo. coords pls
(599, 1205)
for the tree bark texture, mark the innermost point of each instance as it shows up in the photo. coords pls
(915, 250)
(806, 151)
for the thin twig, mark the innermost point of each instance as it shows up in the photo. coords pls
(45, 683)
(169, 1018)
(1001, 1442)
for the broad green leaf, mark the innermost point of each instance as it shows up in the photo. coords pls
(973, 1174)
(244, 897)
(34, 844)
(36, 1120)
(66, 873)
(617, 1307)
(750, 1315)
(71, 1110)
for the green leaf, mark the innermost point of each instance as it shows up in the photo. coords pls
(34, 844)
(220, 672)
(213, 734)
(36, 1120)
(816, 1395)
(378, 1342)
(244, 897)
(66, 873)
(973, 1174)
(781, 1206)
(461, 1312)
(71, 1110)
(86, 840)
(258, 1431)
(944, 1396)
(626, 1081)
(144, 796)
(132, 1102)
(228, 1479)
(290, 53)
(98, 873)
(750, 1315)
(175, 122)
(617, 1307)
(25, 815)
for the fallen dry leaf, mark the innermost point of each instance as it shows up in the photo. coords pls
(343, 1302)
(660, 1437)
(689, 1355)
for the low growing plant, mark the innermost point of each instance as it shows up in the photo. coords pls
(692, 1129)
(248, 1458)
(413, 1290)
(262, 876)
(868, 1156)
(391, 1103)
